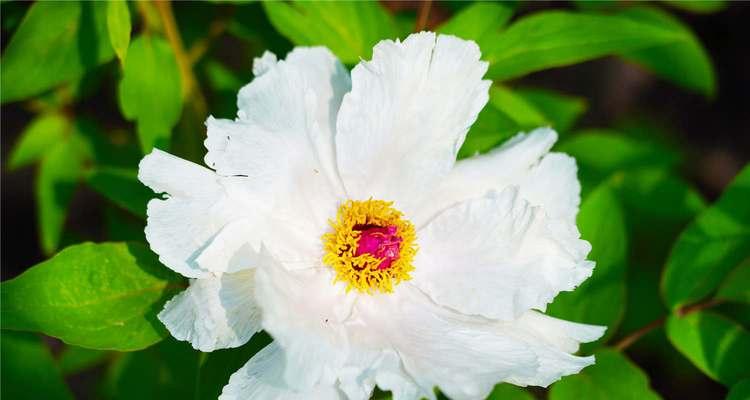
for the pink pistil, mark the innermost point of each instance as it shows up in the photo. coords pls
(380, 242)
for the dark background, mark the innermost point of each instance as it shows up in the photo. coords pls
(712, 132)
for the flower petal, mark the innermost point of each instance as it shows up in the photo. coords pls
(401, 126)
(214, 313)
(474, 177)
(466, 356)
(196, 208)
(509, 255)
(260, 379)
(282, 140)
(304, 312)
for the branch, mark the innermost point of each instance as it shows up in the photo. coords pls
(628, 340)
(423, 15)
(191, 90)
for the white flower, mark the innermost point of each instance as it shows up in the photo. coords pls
(294, 232)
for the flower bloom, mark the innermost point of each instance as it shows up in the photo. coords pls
(336, 218)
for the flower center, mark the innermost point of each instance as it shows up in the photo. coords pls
(370, 246)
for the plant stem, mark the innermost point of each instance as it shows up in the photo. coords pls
(423, 15)
(191, 90)
(628, 340)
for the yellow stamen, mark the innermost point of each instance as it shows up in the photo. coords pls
(361, 272)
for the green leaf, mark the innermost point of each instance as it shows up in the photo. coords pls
(683, 61)
(602, 224)
(219, 365)
(736, 286)
(59, 174)
(717, 241)
(118, 26)
(506, 114)
(168, 370)
(479, 22)
(76, 359)
(560, 110)
(657, 192)
(740, 391)
(506, 391)
(350, 29)
(600, 153)
(121, 186)
(716, 345)
(557, 38)
(613, 377)
(56, 43)
(29, 372)
(100, 296)
(43, 133)
(491, 128)
(150, 92)
(699, 6)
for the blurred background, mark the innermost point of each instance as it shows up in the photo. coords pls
(694, 129)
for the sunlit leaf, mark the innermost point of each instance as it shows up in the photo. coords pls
(683, 61)
(613, 377)
(601, 224)
(349, 28)
(29, 372)
(716, 345)
(150, 92)
(121, 186)
(118, 26)
(712, 245)
(59, 174)
(57, 42)
(480, 22)
(99, 296)
(43, 133)
(557, 38)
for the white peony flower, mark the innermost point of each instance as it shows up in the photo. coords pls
(337, 219)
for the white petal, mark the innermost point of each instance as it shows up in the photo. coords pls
(509, 255)
(283, 139)
(264, 63)
(214, 313)
(553, 184)
(466, 356)
(260, 379)
(196, 207)
(474, 177)
(401, 126)
(304, 312)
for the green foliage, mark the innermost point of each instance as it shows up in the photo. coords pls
(75, 359)
(601, 224)
(150, 92)
(557, 38)
(613, 377)
(43, 131)
(122, 187)
(736, 286)
(699, 7)
(740, 391)
(682, 61)
(59, 174)
(716, 345)
(506, 391)
(480, 22)
(349, 28)
(29, 372)
(99, 296)
(118, 26)
(716, 242)
(56, 43)
(560, 111)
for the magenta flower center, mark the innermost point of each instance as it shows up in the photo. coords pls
(381, 242)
